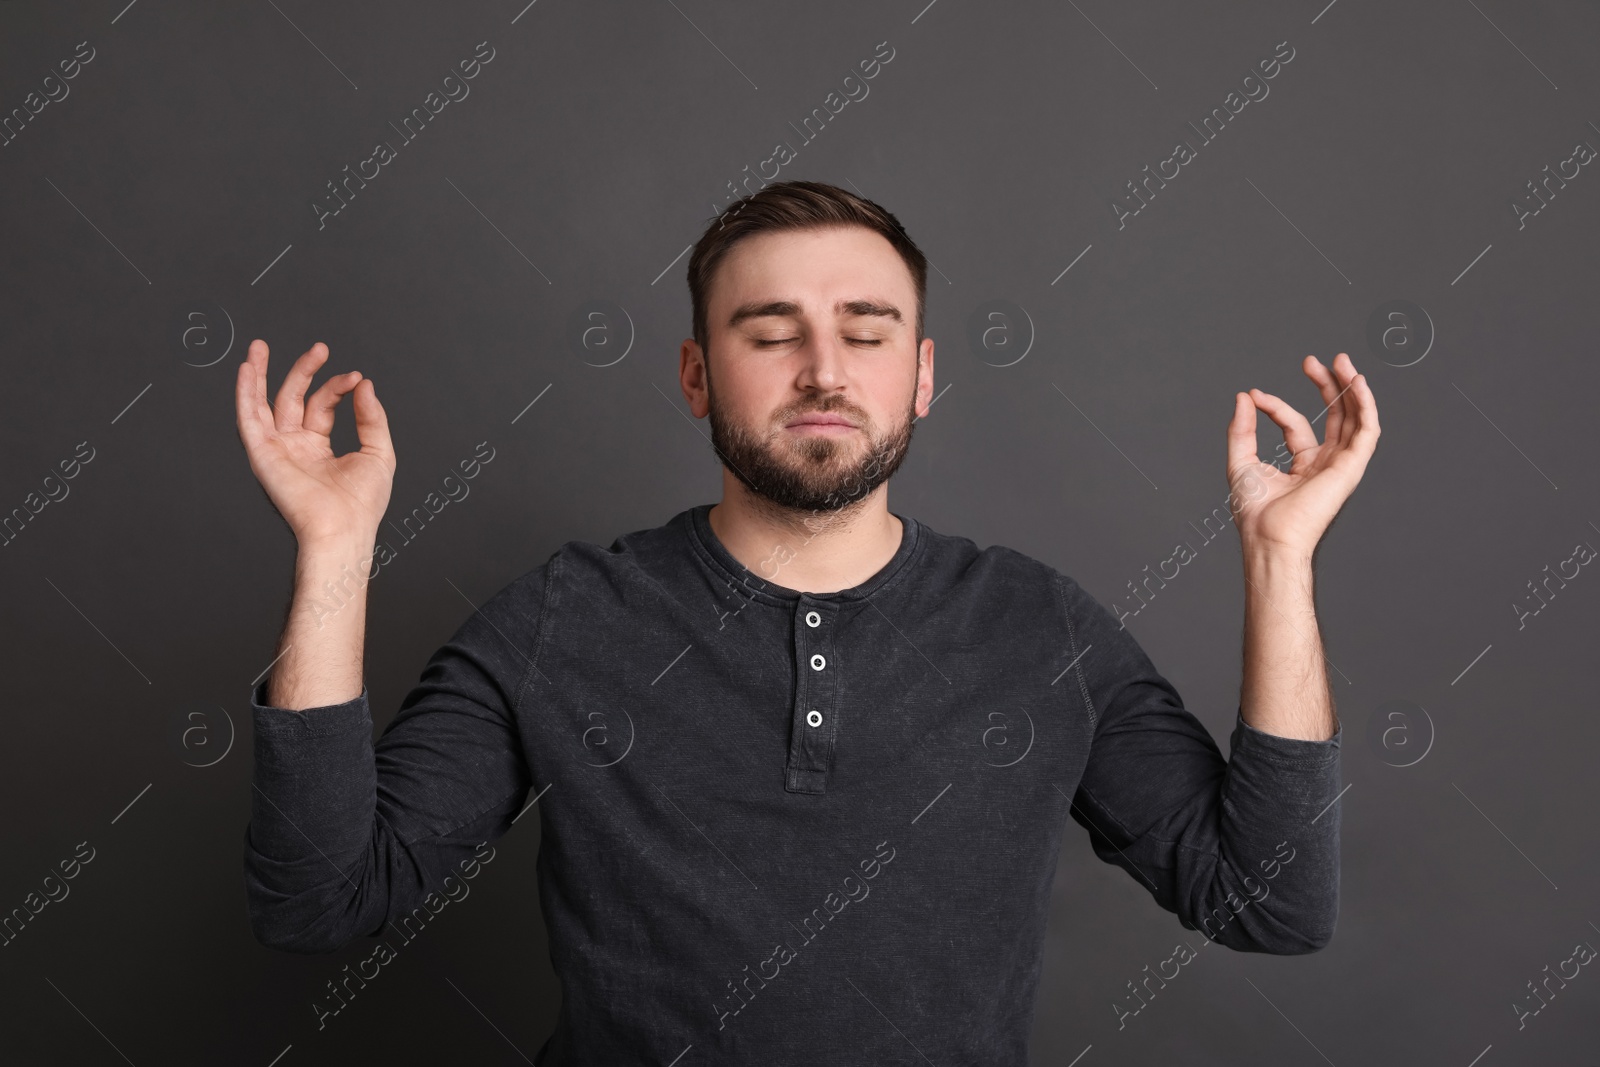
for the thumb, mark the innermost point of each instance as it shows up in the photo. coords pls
(1242, 432)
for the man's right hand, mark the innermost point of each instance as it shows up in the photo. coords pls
(325, 499)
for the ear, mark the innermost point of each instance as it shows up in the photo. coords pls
(924, 397)
(692, 378)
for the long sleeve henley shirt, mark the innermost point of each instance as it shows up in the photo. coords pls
(782, 827)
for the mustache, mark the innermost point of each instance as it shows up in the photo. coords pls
(841, 408)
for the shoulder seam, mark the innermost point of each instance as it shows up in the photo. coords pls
(1072, 644)
(546, 605)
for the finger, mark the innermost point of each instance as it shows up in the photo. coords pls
(1349, 398)
(290, 408)
(250, 396)
(1328, 386)
(1351, 460)
(372, 424)
(1365, 438)
(1297, 432)
(318, 416)
(1242, 434)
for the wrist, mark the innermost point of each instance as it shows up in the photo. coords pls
(340, 546)
(1273, 556)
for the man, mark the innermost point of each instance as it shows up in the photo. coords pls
(801, 764)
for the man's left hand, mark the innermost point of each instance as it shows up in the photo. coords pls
(1288, 511)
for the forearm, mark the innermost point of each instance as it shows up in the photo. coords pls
(310, 882)
(1285, 687)
(321, 648)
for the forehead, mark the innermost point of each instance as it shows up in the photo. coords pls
(813, 268)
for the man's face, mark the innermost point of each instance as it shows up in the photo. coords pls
(808, 328)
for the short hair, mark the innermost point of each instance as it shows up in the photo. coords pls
(795, 205)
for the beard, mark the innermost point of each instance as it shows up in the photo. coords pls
(809, 474)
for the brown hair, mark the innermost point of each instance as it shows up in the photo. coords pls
(795, 205)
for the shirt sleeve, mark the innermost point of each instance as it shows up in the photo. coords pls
(1244, 849)
(346, 837)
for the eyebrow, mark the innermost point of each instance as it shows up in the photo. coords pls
(788, 308)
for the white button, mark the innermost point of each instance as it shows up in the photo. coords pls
(814, 717)
(813, 619)
(817, 662)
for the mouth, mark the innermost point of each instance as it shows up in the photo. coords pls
(821, 423)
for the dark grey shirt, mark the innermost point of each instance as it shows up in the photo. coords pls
(782, 827)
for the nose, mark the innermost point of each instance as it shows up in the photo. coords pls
(822, 364)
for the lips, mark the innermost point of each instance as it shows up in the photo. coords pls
(822, 420)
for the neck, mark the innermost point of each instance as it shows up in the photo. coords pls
(807, 552)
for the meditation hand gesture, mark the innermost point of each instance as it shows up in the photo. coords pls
(1289, 511)
(324, 498)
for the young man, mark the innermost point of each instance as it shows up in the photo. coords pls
(802, 765)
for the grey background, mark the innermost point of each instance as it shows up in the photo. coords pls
(590, 153)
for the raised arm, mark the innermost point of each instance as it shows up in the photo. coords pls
(1281, 517)
(347, 838)
(1244, 849)
(333, 505)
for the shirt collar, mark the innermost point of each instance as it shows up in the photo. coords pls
(696, 524)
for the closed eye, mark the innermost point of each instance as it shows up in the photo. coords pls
(785, 340)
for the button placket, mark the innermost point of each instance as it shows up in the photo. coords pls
(812, 728)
